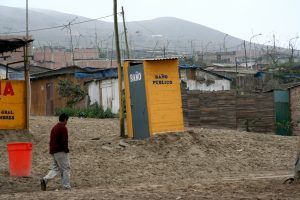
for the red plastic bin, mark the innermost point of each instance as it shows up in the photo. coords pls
(19, 157)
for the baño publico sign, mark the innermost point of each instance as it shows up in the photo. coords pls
(12, 104)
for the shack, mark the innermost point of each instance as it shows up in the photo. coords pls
(153, 97)
(45, 96)
(14, 104)
(197, 78)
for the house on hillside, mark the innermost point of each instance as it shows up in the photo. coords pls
(245, 80)
(200, 79)
(56, 57)
(104, 90)
(45, 97)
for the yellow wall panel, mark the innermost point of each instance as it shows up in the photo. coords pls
(163, 95)
(12, 105)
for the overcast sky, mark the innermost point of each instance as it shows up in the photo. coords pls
(239, 18)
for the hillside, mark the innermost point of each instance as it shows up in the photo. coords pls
(175, 34)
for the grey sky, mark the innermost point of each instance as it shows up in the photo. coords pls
(240, 18)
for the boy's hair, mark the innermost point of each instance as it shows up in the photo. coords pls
(63, 117)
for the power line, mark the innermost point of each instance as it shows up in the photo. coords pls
(55, 27)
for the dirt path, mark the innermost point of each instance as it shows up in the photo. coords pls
(200, 163)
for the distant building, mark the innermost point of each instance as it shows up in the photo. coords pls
(45, 98)
(57, 57)
(203, 80)
(216, 57)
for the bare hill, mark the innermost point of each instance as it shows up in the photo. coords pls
(172, 33)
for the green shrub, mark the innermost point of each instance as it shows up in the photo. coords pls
(72, 92)
(92, 111)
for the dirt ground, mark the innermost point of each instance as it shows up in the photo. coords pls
(197, 164)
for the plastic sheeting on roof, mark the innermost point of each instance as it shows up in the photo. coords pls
(187, 67)
(16, 76)
(152, 59)
(103, 74)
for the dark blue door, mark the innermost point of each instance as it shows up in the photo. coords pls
(282, 112)
(140, 123)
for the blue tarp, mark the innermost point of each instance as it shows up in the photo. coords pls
(103, 74)
(260, 75)
(292, 76)
(186, 66)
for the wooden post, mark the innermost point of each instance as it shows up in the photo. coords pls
(125, 32)
(27, 87)
(120, 70)
(26, 73)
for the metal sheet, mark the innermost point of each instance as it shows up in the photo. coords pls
(139, 109)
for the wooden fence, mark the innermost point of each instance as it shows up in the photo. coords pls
(226, 109)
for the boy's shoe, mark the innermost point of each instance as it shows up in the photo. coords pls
(43, 185)
(66, 187)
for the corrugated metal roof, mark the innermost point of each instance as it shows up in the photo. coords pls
(107, 73)
(152, 59)
(61, 71)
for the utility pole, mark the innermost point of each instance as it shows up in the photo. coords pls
(27, 81)
(292, 48)
(96, 42)
(250, 51)
(68, 26)
(112, 48)
(236, 75)
(245, 54)
(125, 32)
(224, 44)
(120, 70)
(274, 45)
(71, 40)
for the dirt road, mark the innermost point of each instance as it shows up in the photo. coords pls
(197, 164)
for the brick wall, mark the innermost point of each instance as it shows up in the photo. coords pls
(57, 58)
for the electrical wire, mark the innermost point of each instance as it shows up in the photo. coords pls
(56, 27)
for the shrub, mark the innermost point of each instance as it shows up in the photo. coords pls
(72, 92)
(92, 111)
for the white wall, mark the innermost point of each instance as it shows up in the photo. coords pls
(216, 86)
(2, 73)
(93, 92)
(110, 94)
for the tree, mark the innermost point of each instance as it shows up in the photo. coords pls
(73, 93)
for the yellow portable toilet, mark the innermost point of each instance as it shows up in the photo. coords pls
(153, 97)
